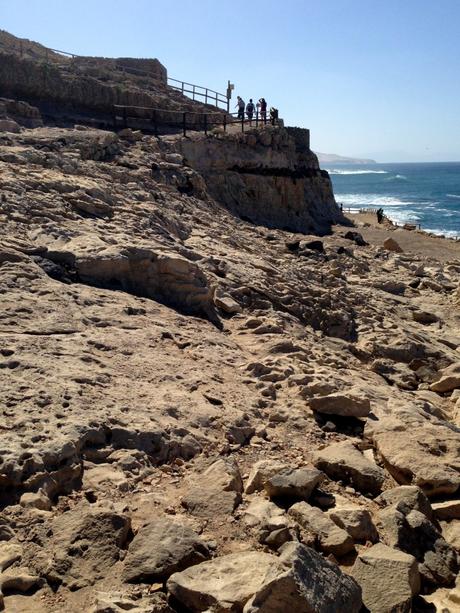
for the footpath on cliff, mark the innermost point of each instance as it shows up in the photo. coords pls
(217, 394)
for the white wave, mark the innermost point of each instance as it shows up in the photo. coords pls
(371, 200)
(457, 196)
(448, 233)
(339, 171)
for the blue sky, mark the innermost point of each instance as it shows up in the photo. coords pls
(370, 78)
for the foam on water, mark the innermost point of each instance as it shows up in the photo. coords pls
(427, 193)
(339, 171)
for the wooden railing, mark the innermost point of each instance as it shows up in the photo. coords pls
(152, 119)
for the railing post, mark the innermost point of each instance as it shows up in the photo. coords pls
(225, 122)
(206, 98)
(125, 117)
(217, 100)
(184, 123)
(193, 92)
(183, 87)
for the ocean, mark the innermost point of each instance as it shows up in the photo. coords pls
(427, 194)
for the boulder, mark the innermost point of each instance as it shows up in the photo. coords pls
(356, 237)
(407, 498)
(390, 244)
(160, 548)
(222, 584)
(85, 545)
(343, 461)
(305, 583)
(227, 304)
(413, 533)
(450, 509)
(9, 125)
(35, 500)
(216, 491)
(388, 578)
(343, 404)
(356, 520)
(249, 582)
(448, 381)
(260, 472)
(319, 529)
(116, 602)
(293, 483)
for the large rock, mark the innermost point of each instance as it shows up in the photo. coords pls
(390, 244)
(407, 498)
(260, 472)
(413, 533)
(450, 509)
(345, 462)
(356, 520)
(319, 529)
(299, 580)
(160, 548)
(293, 483)
(222, 584)
(85, 545)
(449, 379)
(418, 449)
(343, 404)
(388, 578)
(305, 583)
(217, 491)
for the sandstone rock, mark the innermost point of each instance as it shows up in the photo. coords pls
(265, 515)
(36, 500)
(389, 579)
(321, 530)
(413, 533)
(227, 304)
(346, 405)
(390, 244)
(344, 461)
(423, 317)
(448, 381)
(217, 491)
(260, 472)
(293, 483)
(299, 580)
(407, 498)
(450, 509)
(116, 602)
(9, 553)
(18, 579)
(306, 582)
(160, 548)
(356, 520)
(75, 563)
(8, 125)
(418, 451)
(222, 584)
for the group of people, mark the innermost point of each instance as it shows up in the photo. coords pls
(260, 109)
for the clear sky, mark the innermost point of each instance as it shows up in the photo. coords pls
(370, 78)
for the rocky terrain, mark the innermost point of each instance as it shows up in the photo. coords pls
(216, 394)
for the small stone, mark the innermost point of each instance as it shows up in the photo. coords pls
(295, 483)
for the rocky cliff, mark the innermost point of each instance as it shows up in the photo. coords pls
(206, 406)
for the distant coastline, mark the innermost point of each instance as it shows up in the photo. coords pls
(333, 158)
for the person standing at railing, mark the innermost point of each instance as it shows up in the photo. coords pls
(250, 108)
(262, 105)
(240, 103)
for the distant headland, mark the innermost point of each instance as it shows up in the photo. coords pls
(332, 158)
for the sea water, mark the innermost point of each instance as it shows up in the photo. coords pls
(427, 194)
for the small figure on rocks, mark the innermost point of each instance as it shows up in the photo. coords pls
(379, 215)
(263, 109)
(273, 114)
(250, 109)
(241, 106)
